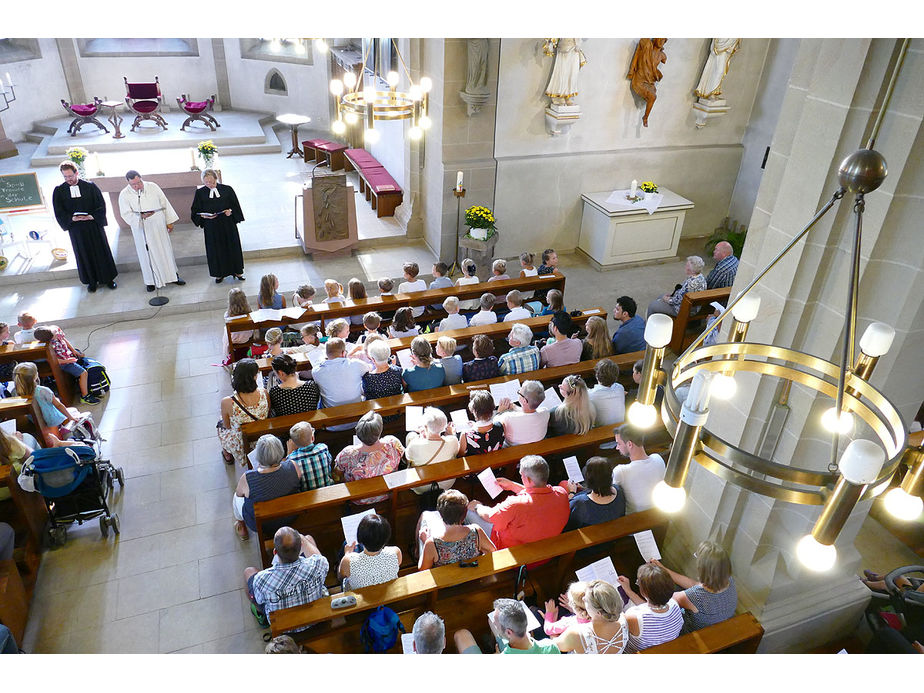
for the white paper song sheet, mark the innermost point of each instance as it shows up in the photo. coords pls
(264, 314)
(404, 358)
(351, 522)
(414, 417)
(551, 400)
(9, 426)
(460, 420)
(573, 469)
(509, 389)
(252, 456)
(401, 477)
(489, 481)
(599, 570)
(531, 621)
(647, 546)
(317, 356)
(407, 643)
(294, 313)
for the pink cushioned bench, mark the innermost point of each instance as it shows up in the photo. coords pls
(383, 191)
(324, 150)
(358, 159)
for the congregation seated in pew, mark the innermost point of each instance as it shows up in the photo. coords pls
(290, 394)
(274, 476)
(426, 372)
(444, 538)
(312, 461)
(565, 348)
(434, 442)
(485, 314)
(451, 362)
(523, 356)
(368, 561)
(484, 364)
(248, 403)
(373, 456)
(576, 413)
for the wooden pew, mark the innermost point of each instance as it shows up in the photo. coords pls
(437, 397)
(334, 498)
(44, 357)
(740, 634)
(452, 591)
(686, 321)
(323, 312)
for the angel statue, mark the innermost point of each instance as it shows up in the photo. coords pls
(644, 71)
(569, 59)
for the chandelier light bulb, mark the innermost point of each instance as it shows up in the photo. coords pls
(425, 122)
(371, 136)
(723, 386)
(392, 79)
(321, 45)
(338, 127)
(877, 339)
(349, 79)
(658, 330)
(667, 498)
(746, 309)
(336, 87)
(415, 133)
(369, 95)
(415, 93)
(642, 415)
(816, 556)
(903, 505)
(275, 45)
(351, 118)
(426, 84)
(300, 47)
(842, 425)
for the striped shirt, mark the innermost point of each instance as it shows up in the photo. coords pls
(654, 628)
(519, 360)
(712, 607)
(723, 274)
(314, 462)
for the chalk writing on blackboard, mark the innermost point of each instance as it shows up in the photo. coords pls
(20, 191)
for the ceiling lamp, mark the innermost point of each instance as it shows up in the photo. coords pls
(865, 467)
(368, 104)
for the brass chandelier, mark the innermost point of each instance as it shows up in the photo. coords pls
(865, 467)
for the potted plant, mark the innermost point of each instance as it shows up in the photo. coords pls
(481, 222)
(78, 155)
(649, 188)
(207, 150)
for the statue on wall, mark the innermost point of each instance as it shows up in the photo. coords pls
(720, 52)
(644, 71)
(710, 103)
(569, 59)
(476, 91)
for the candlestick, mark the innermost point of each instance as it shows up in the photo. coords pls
(192, 156)
(633, 188)
(99, 170)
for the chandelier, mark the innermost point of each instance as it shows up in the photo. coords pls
(357, 103)
(865, 467)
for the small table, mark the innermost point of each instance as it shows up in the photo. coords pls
(114, 117)
(293, 121)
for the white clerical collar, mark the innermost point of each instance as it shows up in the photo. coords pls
(75, 190)
(213, 192)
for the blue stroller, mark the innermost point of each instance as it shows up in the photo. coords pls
(75, 484)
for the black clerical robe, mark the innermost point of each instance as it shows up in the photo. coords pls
(222, 241)
(88, 238)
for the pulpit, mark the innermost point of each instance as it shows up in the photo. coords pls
(329, 216)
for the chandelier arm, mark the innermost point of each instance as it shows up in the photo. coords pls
(871, 142)
(407, 72)
(818, 215)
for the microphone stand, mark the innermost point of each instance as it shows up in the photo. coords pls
(157, 300)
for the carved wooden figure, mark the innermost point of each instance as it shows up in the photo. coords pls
(644, 71)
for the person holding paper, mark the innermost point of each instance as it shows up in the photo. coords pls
(522, 357)
(273, 477)
(372, 456)
(445, 538)
(607, 631)
(654, 617)
(597, 501)
(376, 563)
(642, 474)
(80, 209)
(217, 212)
(712, 598)
(576, 413)
(434, 443)
(426, 373)
(248, 403)
(536, 511)
(527, 422)
(509, 624)
(485, 435)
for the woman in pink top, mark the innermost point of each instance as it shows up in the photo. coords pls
(375, 456)
(573, 600)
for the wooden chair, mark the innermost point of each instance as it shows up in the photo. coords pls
(197, 110)
(83, 113)
(690, 320)
(145, 100)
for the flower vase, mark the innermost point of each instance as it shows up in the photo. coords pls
(478, 234)
(207, 162)
(81, 170)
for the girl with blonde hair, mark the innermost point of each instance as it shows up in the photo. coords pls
(334, 291)
(269, 296)
(606, 632)
(597, 343)
(54, 413)
(576, 413)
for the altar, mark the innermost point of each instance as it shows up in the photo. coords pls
(178, 187)
(612, 235)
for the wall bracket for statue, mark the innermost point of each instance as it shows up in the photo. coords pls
(562, 87)
(710, 103)
(644, 71)
(476, 93)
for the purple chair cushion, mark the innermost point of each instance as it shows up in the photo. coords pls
(143, 90)
(195, 106)
(312, 143)
(144, 106)
(81, 109)
(331, 147)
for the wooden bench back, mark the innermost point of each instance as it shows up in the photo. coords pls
(44, 357)
(686, 318)
(740, 634)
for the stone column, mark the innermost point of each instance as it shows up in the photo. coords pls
(221, 74)
(67, 51)
(826, 115)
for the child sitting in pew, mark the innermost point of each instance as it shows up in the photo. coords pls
(453, 320)
(334, 290)
(452, 364)
(338, 328)
(5, 334)
(412, 284)
(403, 324)
(269, 296)
(371, 322)
(440, 280)
(548, 266)
(26, 323)
(484, 365)
(310, 340)
(485, 435)
(54, 413)
(72, 360)
(238, 306)
(499, 271)
(386, 286)
(357, 290)
(486, 316)
(515, 307)
(468, 306)
(303, 296)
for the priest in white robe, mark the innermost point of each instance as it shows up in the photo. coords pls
(148, 211)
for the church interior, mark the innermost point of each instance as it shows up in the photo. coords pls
(744, 141)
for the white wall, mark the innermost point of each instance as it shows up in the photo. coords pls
(40, 88)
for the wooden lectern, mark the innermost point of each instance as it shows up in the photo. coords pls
(329, 216)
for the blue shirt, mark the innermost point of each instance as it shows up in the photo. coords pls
(723, 274)
(452, 365)
(630, 336)
(440, 283)
(341, 382)
(418, 378)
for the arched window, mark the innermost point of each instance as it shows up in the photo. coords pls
(275, 83)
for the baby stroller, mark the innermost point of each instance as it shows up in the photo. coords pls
(898, 609)
(75, 484)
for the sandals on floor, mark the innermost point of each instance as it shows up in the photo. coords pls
(241, 530)
(227, 457)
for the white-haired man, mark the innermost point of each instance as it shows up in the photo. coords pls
(522, 357)
(429, 634)
(526, 422)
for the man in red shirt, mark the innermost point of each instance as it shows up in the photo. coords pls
(537, 511)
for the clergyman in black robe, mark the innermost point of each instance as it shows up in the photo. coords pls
(222, 241)
(80, 209)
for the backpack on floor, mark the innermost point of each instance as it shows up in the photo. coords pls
(97, 379)
(380, 630)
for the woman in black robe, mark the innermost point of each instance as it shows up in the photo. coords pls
(222, 213)
(81, 211)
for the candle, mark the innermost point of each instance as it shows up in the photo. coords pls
(9, 79)
(459, 181)
(633, 188)
(192, 156)
(96, 159)
(1, 86)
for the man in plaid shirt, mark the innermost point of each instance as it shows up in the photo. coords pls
(312, 460)
(522, 357)
(726, 266)
(295, 578)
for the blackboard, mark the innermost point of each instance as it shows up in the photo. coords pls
(20, 191)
